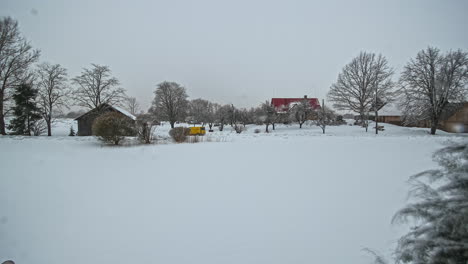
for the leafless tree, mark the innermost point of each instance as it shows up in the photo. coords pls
(132, 105)
(324, 117)
(211, 114)
(267, 115)
(222, 115)
(16, 56)
(232, 115)
(96, 86)
(362, 80)
(146, 125)
(300, 111)
(199, 110)
(430, 82)
(170, 102)
(53, 91)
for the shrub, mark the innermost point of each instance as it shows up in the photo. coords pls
(256, 131)
(179, 134)
(238, 128)
(146, 125)
(112, 127)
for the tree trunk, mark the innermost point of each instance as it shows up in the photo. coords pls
(2, 117)
(266, 127)
(172, 123)
(273, 125)
(434, 123)
(221, 126)
(28, 126)
(323, 129)
(49, 127)
(300, 125)
(376, 122)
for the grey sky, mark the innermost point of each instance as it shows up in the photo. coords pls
(241, 52)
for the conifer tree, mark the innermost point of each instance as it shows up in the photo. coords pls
(72, 132)
(26, 111)
(440, 233)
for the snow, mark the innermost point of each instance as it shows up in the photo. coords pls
(125, 112)
(390, 109)
(290, 196)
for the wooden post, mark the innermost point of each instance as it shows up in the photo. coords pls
(376, 113)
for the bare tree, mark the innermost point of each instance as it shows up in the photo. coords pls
(132, 105)
(53, 91)
(199, 110)
(365, 77)
(222, 115)
(432, 80)
(267, 114)
(300, 111)
(324, 117)
(146, 125)
(96, 86)
(16, 56)
(211, 114)
(170, 102)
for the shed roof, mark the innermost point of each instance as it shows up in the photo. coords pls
(115, 108)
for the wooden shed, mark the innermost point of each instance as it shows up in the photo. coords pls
(390, 113)
(85, 121)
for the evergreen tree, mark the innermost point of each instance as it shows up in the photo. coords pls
(440, 211)
(26, 111)
(72, 132)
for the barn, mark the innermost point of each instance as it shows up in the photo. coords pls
(283, 104)
(85, 121)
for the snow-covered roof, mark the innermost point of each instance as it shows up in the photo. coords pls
(116, 108)
(390, 109)
(125, 112)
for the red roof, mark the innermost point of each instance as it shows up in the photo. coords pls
(282, 104)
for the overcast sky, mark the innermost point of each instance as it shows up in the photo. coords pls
(240, 51)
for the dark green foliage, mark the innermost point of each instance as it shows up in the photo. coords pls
(72, 132)
(440, 211)
(113, 127)
(179, 134)
(26, 111)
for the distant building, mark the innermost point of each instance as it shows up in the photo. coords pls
(390, 114)
(455, 118)
(85, 121)
(282, 105)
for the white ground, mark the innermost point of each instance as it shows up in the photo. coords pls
(291, 196)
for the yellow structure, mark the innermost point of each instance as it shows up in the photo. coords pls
(197, 131)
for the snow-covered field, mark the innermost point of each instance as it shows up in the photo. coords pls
(290, 196)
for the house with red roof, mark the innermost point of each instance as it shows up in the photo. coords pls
(283, 105)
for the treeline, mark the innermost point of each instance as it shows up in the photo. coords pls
(37, 93)
(171, 104)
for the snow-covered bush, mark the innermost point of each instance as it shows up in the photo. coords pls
(239, 128)
(113, 127)
(440, 211)
(179, 134)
